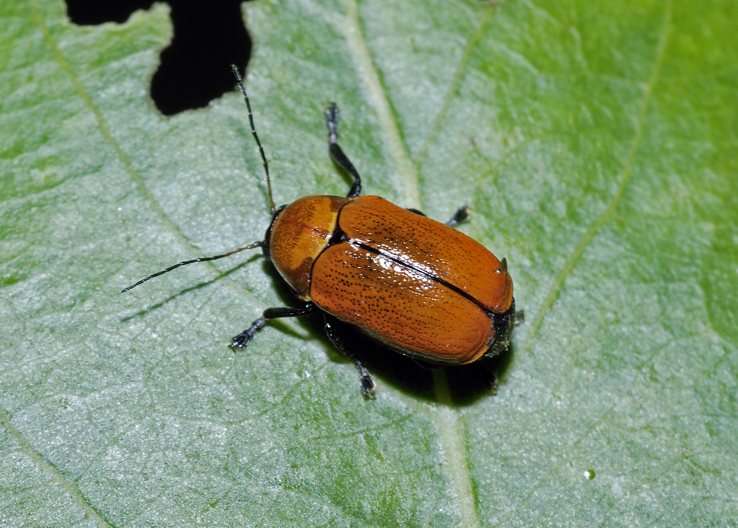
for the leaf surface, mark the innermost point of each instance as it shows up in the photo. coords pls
(597, 145)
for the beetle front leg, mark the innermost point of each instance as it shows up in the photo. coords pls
(242, 339)
(368, 387)
(331, 121)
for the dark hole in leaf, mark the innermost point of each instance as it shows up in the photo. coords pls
(194, 68)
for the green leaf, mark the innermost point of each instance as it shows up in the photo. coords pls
(597, 144)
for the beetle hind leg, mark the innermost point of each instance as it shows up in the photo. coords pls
(368, 387)
(331, 121)
(242, 339)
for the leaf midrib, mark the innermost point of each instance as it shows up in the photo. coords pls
(443, 413)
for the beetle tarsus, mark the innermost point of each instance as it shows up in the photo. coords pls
(461, 215)
(331, 121)
(336, 152)
(368, 387)
(242, 339)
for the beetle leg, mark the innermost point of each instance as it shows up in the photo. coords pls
(367, 383)
(242, 339)
(461, 215)
(331, 121)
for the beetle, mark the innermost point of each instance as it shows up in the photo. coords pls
(417, 286)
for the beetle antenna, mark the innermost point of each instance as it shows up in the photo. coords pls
(239, 79)
(193, 261)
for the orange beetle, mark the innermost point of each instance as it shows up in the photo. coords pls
(417, 286)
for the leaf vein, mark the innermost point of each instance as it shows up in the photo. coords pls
(624, 179)
(380, 101)
(454, 86)
(57, 476)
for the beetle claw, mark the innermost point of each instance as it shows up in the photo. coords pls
(238, 341)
